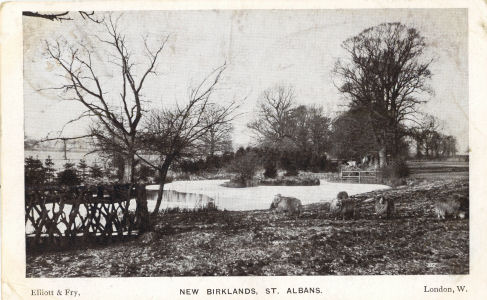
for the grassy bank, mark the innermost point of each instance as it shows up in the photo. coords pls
(264, 243)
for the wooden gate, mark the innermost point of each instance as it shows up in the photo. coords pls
(360, 176)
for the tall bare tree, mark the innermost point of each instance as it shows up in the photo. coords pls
(311, 129)
(172, 134)
(117, 116)
(426, 134)
(217, 138)
(273, 124)
(297, 136)
(386, 74)
(352, 136)
(449, 146)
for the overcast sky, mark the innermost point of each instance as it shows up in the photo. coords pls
(262, 48)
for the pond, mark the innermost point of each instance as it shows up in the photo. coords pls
(193, 194)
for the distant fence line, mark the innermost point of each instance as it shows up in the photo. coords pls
(360, 175)
(60, 215)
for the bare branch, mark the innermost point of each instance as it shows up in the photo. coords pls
(53, 17)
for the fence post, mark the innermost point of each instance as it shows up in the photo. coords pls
(359, 176)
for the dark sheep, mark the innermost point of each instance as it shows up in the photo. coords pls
(384, 207)
(454, 206)
(286, 204)
(343, 206)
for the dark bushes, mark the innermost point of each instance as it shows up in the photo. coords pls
(395, 173)
(270, 169)
(69, 176)
(289, 163)
(245, 167)
(290, 181)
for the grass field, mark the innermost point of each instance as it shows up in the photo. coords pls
(438, 169)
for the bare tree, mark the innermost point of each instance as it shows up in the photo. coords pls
(311, 129)
(427, 135)
(217, 138)
(449, 146)
(297, 136)
(172, 134)
(352, 136)
(117, 116)
(273, 125)
(386, 74)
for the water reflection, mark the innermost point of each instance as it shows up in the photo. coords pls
(197, 194)
(194, 194)
(171, 199)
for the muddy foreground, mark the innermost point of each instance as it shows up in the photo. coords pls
(265, 243)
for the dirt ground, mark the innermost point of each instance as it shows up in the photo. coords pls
(266, 243)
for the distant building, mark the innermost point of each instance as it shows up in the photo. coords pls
(60, 152)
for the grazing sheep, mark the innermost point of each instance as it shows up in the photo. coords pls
(384, 207)
(456, 207)
(342, 206)
(286, 204)
(342, 195)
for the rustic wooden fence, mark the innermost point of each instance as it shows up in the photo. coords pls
(63, 215)
(360, 176)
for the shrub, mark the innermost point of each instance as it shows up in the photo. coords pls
(331, 166)
(68, 177)
(399, 169)
(395, 172)
(144, 173)
(270, 169)
(288, 163)
(245, 166)
(35, 173)
(96, 172)
(291, 181)
(168, 178)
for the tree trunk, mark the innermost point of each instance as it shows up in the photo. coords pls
(375, 162)
(142, 212)
(162, 180)
(128, 170)
(418, 148)
(396, 140)
(382, 157)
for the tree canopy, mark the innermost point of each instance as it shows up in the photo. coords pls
(385, 73)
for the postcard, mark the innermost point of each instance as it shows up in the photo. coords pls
(243, 150)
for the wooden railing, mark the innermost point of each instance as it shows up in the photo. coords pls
(54, 214)
(359, 175)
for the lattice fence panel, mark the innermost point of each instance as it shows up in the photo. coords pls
(102, 212)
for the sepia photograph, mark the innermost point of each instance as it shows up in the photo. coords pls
(251, 142)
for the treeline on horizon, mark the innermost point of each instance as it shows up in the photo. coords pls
(299, 138)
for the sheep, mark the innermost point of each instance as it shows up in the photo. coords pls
(456, 207)
(342, 195)
(290, 205)
(342, 206)
(384, 207)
